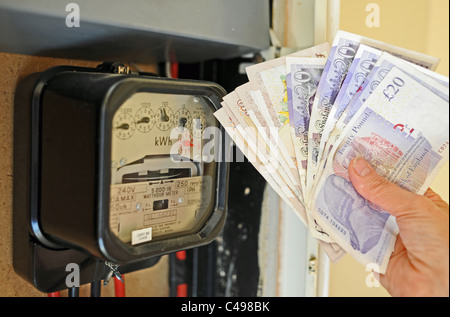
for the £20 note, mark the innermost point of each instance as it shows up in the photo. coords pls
(402, 131)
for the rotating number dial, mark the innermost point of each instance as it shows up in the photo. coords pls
(183, 119)
(124, 126)
(198, 125)
(145, 119)
(164, 118)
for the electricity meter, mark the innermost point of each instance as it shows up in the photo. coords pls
(114, 165)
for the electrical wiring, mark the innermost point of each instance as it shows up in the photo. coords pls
(74, 292)
(174, 70)
(119, 287)
(171, 66)
(182, 288)
(168, 70)
(96, 289)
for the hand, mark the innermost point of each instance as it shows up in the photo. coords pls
(419, 265)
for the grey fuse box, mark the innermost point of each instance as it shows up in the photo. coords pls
(135, 30)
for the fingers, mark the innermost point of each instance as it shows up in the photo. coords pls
(437, 200)
(430, 194)
(378, 190)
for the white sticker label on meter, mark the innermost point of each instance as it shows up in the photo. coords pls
(166, 206)
(140, 236)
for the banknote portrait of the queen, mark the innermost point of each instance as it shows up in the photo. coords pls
(364, 221)
(399, 157)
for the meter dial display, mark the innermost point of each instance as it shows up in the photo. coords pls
(145, 119)
(198, 124)
(153, 195)
(164, 118)
(183, 119)
(124, 125)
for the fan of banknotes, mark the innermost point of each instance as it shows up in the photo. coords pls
(302, 118)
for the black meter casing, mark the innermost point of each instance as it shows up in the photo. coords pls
(62, 169)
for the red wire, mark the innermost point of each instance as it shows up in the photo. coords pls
(182, 290)
(54, 294)
(181, 255)
(174, 70)
(119, 287)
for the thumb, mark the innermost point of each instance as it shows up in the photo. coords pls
(379, 191)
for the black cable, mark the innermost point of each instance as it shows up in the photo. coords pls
(172, 275)
(96, 287)
(74, 292)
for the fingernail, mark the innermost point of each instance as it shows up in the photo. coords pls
(361, 167)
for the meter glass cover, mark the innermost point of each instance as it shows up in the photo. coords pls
(160, 185)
